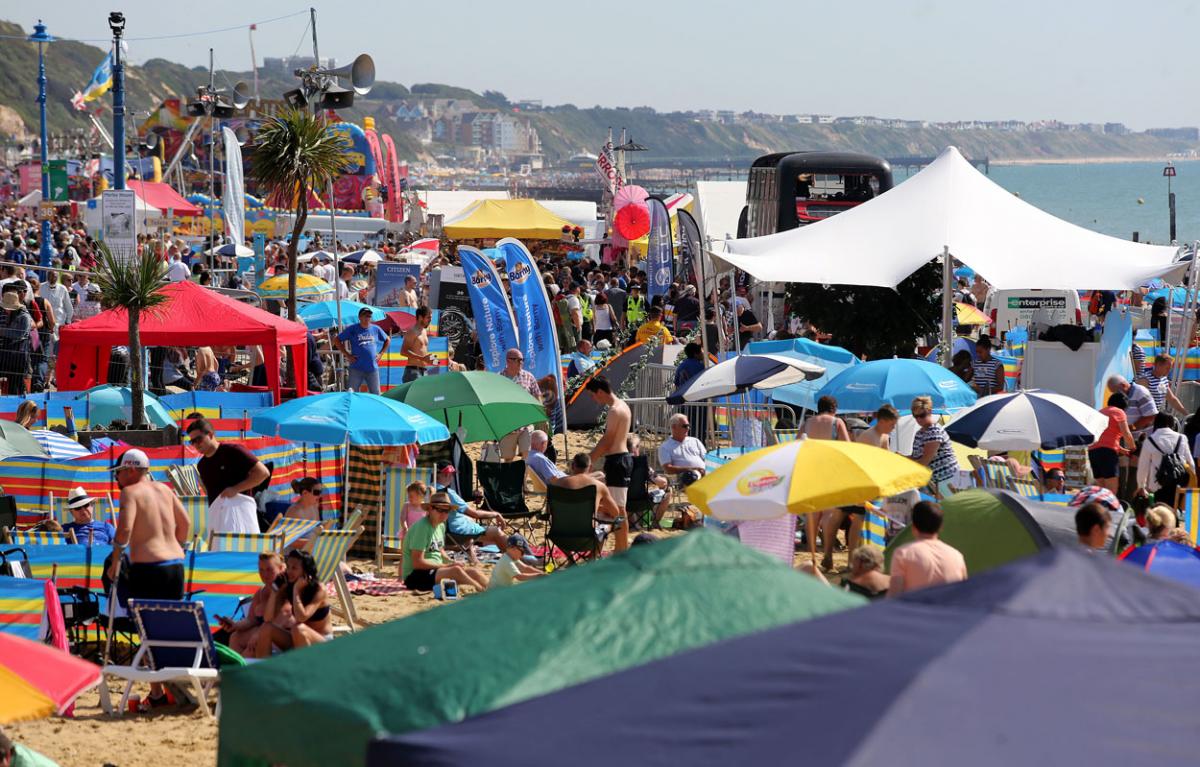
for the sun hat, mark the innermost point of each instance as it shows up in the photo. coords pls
(10, 301)
(78, 497)
(439, 501)
(134, 458)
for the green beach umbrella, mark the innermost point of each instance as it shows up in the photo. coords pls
(17, 440)
(486, 404)
(576, 624)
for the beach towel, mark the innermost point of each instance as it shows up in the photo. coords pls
(233, 515)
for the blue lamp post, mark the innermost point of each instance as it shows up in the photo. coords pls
(116, 22)
(40, 37)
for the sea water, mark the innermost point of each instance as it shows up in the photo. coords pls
(1113, 198)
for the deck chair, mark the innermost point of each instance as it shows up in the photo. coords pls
(252, 543)
(328, 549)
(1187, 501)
(503, 487)
(185, 479)
(176, 647)
(572, 529)
(293, 530)
(638, 506)
(40, 538)
(196, 507)
(389, 531)
(59, 511)
(1029, 488)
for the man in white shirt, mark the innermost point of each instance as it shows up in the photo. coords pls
(342, 291)
(59, 299)
(177, 271)
(680, 454)
(324, 268)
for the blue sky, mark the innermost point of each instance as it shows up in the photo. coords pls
(1066, 59)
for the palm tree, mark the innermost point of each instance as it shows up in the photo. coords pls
(294, 152)
(134, 284)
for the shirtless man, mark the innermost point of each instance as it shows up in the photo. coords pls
(408, 296)
(581, 476)
(824, 425)
(416, 346)
(618, 463)
(153, 524)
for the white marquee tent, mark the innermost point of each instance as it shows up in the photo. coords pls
(718, 206)
(950, 205)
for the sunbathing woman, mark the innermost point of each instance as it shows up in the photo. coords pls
(310, 608)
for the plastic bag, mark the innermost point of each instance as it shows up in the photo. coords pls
(233, 515)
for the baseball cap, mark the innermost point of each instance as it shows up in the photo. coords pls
(445, 467)
(517, 541)
(133, 459)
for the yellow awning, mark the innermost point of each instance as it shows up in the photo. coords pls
(493, 219)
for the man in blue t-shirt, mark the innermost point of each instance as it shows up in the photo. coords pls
(88, 531)
(363, 344)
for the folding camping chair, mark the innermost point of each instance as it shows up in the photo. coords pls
(40, 538)
(293, 530)
(1187, 501)
(328, 549)
(638, 505)
(176, 646)
(573, 529)
(253, 543)
(1029, 488)
(503, 487)
(389, 532)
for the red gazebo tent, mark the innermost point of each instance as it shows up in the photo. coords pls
(192, 316)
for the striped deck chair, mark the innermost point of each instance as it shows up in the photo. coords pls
(40, 538)
(329, 548)
(874, 529)
(59, 510)
(196, 507)
(1029, 488)
(185, 479)
(253, 543)
(1187, 501)
(389, 532)
(292, 529)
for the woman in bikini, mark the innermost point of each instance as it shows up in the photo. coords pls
(310, 608)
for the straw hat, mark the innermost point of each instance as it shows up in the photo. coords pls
(10, 301)
(78, 497)
(439, 501)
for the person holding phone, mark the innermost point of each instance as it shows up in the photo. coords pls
(310, 608)
(242, 636)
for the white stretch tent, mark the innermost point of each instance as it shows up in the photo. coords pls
(950, 205)
(718, 206)
(581, 213)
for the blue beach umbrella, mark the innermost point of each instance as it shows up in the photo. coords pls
(1167, 559)
(359, 256)
(59, 446)
(1027, 420)
(109, 403)
(1178, 295)
(745, 371)
(864, 388)
(803, 394)
(339, 417)
(323, 314)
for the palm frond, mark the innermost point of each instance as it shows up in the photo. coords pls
(294, 149)
(131, 283)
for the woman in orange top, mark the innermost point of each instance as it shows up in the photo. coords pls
(1115, 440)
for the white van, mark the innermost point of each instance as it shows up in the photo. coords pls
(1015, 308)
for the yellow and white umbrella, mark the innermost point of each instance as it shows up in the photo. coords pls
(803, 477)
(307, 286)
(970, 315)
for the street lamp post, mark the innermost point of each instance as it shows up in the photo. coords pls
(40, 37)
(116, 22)
(1169, 173)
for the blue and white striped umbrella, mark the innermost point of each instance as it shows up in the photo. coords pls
(745, 371)
(59, 446)
(1027, 420)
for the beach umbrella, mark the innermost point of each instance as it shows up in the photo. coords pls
(17, 440)
(970, 315)
(804, 476)
(396, 321)
(230, 249)
(487, 405)
(1100, 495)
(307, 286)
(863, 388)
(60, 447)
(1027, 420)
(630, 194)
(745, 371)
(365, 256)
(37, 680)
(591, 621)
(324, 314)
(1015, 659)
(306, 257)
(1167, 559)
(632, 221)
(354, 417)
(803, 394)
(1177, 296)
(428, 244)
(108, 403)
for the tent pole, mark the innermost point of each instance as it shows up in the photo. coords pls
(947, 304)
(345, 479)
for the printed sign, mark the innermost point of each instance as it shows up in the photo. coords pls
(118, 216)
(389, 281)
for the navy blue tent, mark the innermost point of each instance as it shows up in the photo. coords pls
(1059, 658)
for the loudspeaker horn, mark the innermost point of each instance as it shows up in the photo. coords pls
(361, 73)
(241, 95)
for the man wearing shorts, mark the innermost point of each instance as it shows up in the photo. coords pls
(618, 463)
(415, 347)
(153, 525)
(464, 520)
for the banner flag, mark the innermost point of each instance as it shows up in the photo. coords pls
(659, 259)
(100, 83)
(494, 321)
(537, 334)
(689, 247)
(234, 193)
(606, 166)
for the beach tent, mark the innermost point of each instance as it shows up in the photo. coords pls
(950, 205)
(994, 527)
(494, 219)
(163, 197)
(1061, 658)
(192, 316)
(509, 645)
(719, 206)
(803, 394)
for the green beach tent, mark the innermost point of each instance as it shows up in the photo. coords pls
(994, 527)
(322, 705)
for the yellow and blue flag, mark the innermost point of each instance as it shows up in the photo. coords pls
(100, 83)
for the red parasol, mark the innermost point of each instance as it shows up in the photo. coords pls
(632, 221)
(397, 322)
(629, 195)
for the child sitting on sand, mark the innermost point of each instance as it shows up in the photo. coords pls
(511, 567)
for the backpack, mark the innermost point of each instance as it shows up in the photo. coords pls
(1172, 472)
